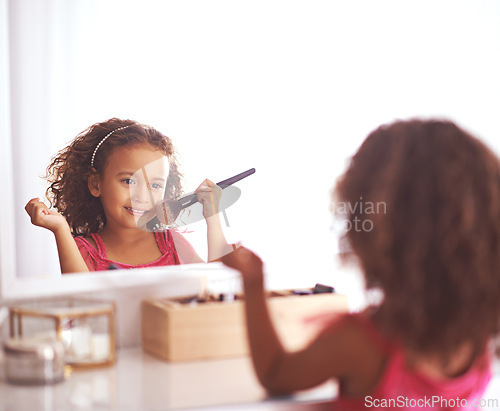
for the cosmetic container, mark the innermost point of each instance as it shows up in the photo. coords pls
(33, 361)
(86, 328)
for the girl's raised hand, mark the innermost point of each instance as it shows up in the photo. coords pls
(209, 195)
(42, 216)
(248, 263)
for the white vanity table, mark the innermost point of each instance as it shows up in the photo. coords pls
(139, 382)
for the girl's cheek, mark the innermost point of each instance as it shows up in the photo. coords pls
(131, 190)
(158, 197)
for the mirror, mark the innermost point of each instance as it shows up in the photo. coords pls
(291, 89)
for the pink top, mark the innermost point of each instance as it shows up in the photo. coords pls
(96, 260)
(402, 388)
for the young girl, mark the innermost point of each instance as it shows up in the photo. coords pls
(433, 250)
(102, 183)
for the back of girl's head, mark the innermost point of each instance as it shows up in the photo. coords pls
(429, 196)
(69, 170)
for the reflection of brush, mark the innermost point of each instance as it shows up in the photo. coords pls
(151, 198)
(167, 211)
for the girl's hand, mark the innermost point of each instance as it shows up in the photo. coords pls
(41, 216)
(209, 195)
(249, 264)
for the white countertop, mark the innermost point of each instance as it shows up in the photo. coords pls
(140, 382)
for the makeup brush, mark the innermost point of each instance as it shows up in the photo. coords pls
(167, 211)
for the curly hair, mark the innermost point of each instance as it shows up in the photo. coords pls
(70, 169)
(434, 248)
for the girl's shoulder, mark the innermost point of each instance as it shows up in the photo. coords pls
(92, 243)
(361, 324)
(86, 240)
(90, 251)
(381, 364)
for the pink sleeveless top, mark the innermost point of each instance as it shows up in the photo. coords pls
(97, 260)
(404, 389)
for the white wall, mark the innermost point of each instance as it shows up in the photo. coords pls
(288, 87)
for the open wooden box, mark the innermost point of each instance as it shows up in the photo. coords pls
(178, 331)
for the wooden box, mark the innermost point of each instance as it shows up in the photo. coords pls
(177, 331)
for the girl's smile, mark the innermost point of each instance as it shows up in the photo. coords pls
(136, 212)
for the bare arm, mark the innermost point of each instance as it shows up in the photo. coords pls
(209, 195)
(217, 243)
(70, 259)
(280, 371)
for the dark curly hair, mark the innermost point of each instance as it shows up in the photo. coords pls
(434, 248)
(70, 169)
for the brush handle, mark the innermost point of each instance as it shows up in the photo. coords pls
(191, 199)
(231, 180)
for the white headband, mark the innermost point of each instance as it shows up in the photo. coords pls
(103, 140)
